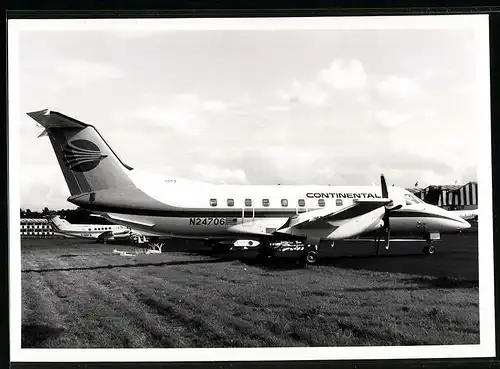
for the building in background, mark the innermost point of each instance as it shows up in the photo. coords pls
(36, 228)
(450, 197)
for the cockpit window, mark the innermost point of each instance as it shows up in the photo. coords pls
(412, 199)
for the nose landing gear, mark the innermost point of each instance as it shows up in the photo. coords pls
(429, 249)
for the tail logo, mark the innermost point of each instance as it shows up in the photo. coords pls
(82, 155)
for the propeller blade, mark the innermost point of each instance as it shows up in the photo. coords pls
(385, 193)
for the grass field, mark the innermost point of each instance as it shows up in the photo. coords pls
(77, 294)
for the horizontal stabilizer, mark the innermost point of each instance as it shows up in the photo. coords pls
(51, 119)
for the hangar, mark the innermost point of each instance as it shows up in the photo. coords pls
(450, 197)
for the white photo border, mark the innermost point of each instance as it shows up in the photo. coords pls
(486, 348)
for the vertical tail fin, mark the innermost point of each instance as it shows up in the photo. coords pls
(59, 224)
(86, 160)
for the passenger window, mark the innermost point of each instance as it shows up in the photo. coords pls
(302, 203)
(265, 202)
(248, 202)
(338, 202)
(230, 202)
(321, 202)
(284, 202)
(213, 202)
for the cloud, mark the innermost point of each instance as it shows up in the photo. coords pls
(344, 76)
(82, 72)
(390, 118)
(176, 118)
(215, 106)
(344, 120)
(278, 108)
(338, 76)
(39, 187)
(399, 87)
(432, 178)
(184, 113)
(438, 73)
(214, 174)
(308, 93)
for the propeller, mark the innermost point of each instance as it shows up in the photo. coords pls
(386, 226)
(385, 218)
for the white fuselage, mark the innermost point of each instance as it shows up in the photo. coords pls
(201, 210)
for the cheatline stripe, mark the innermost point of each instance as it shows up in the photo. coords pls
(73, 153)
(72, 147)
(74, 163)
(228, 213)
(81, 160)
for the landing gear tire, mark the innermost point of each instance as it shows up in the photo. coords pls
(308, 257)
(429, 250)
(311, 257)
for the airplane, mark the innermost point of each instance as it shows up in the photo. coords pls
(134, 235)
(171, 207)
(471, 214)
(101, 232)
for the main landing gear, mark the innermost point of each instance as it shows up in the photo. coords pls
(309, 255)
(430, 248)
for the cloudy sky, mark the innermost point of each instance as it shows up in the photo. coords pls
(257, 106)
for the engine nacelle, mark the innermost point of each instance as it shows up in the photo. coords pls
(364, 223)
(246, 243)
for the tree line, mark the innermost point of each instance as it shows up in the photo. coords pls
(77, 216)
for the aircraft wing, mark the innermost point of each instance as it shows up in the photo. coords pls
(358, 208)
(361, 216)
(346, 222)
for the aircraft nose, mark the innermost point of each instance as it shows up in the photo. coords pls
(463, 224)
(457, 222)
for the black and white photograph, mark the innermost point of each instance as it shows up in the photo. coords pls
(250, 189)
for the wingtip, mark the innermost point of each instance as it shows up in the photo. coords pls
(39, 115)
